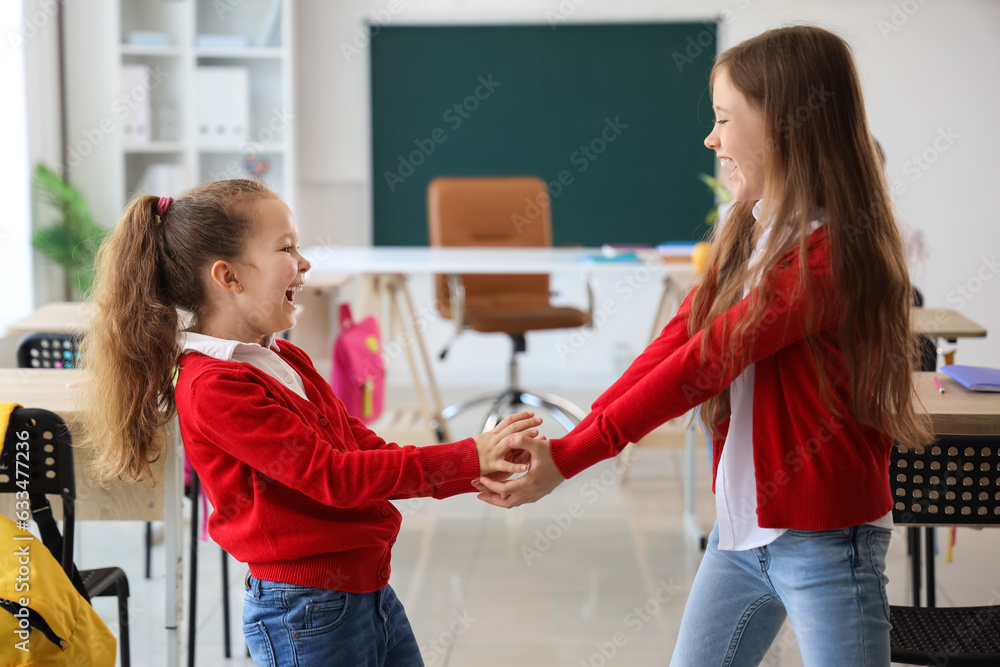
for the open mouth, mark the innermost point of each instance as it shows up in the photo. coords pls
(290, 293)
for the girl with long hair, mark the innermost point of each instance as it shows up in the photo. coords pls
(796, 345)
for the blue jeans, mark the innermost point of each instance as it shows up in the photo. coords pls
(287, 625)
(829, 583)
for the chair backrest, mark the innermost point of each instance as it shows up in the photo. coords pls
(38, 458)
(48, 350)
(503, 212)
(926, 345)
(953, 482)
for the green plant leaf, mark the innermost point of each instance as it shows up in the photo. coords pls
(722, 196)
(73, 240)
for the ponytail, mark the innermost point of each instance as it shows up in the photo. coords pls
(130, 349)
(148, 270)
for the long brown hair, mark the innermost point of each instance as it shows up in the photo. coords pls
(819, 158)
(151, 271)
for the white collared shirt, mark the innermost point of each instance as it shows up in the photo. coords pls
(264, 357)
(735, 479)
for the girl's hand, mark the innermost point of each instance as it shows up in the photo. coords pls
(518, 456)
(542, 478)
(495, 454)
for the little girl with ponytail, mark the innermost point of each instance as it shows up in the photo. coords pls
(300, 489)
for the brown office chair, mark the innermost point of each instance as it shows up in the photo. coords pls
(503, 212)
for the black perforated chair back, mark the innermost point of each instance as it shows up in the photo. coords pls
(48, 350)
(38, 450)
(954, 482)
(38, 458)
(946, 635)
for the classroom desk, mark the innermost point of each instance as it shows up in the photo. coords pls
(944, 323)
(55, 317)
(960, 411)
(957, 410)
(47, 388)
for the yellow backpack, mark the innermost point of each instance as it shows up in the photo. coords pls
(44, 618)
(49, 622)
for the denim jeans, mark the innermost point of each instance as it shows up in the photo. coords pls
(288, 625)
(829, 583)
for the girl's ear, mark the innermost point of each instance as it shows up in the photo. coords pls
(223, 275)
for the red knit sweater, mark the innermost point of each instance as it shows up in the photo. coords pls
(814, 470)
(300, 489)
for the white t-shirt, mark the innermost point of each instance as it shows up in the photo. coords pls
(735, 479)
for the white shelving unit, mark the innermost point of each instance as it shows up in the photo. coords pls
(255, 35)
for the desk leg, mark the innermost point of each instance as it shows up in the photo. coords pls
(929, 547)
(913, 537)
(691, 525)
(403, 315)
(662, 310)
(173, 483)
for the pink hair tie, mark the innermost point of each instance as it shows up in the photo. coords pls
(162, 204)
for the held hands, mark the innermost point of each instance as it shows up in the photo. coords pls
(540, 480)
(497, 459)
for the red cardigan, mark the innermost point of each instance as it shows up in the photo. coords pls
(814, 470)
(300, 489)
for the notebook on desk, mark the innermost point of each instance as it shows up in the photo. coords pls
(976, 378)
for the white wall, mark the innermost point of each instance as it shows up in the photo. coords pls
(15, 241)
(928, 68)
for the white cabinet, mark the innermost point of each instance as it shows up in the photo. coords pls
(206, 94)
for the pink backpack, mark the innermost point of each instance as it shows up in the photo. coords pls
(357, 375)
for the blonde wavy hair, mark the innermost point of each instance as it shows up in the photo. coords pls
(151, 272)
(820, 156)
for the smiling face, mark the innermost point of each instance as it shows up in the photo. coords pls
(738, 139)
(255, 295)
(273, 270)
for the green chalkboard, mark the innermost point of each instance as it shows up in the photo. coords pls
(612, 116)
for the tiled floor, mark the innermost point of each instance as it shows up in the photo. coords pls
(532, 586)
